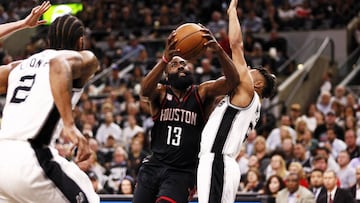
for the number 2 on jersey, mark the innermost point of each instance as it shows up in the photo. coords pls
(16, 98)
(174, 136)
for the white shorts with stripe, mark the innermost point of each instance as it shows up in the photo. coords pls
(23, 179)
(217, 179)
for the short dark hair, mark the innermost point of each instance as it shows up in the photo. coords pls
(64, 32)
(317, 170)
(270, 80)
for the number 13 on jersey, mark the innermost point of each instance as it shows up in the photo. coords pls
(174, 136)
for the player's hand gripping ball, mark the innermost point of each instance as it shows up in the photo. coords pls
(190, 40)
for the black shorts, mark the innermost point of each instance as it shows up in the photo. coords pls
(156, 181)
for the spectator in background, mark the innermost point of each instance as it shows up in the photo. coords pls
(294, 192)
(217, 23)
(278, 42)
(302, 155)
(260, 151)
(316, 183)
(351, 147)
(139, 53)
(272, 187)
(333, 193)
(243, 161)
(326, 85)
(339, 95)
(308, 141)
(100, 156)
(112, 49)
(257, 57)
(117, 170)
(206, 72)
(130, 130)
(355, 189)
(303, 16)
(346, 173)
(253, 182)
(271, 18)
(96, 184)
(252, 22)
(274, 138)
(286, 149)
(300, 128)
(108, 127)
(127, 186)
(250, 143)
(297, 168)
(330, 122)
(334, 145)
(324, 102)
(294, 114)
(286, 15)
(136, 156)
(3, 15)
(277, 166)
(323, 160)
(309, 117)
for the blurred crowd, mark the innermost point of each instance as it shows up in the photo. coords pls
(306, 140)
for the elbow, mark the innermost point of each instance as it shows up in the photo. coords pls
(236, 44)
(235, 82)
(144, 91)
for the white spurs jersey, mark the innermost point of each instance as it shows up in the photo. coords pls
(30, 109)
(228, 126)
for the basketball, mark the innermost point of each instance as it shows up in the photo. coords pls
(190, 41)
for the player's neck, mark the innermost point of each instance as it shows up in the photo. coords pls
(180, 93)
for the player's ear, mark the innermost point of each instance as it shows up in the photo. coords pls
(258, 84)
(80, 44)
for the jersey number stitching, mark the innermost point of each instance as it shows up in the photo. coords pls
(16, 97)
(174, 136)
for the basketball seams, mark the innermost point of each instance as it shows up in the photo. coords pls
(190, 40)
(195, 48)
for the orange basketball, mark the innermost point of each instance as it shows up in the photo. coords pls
(190, 41)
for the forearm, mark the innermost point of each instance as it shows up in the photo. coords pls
(229, 69)
(236, 39)
(150, 81)
(235, 34)
(8, 28)
(61, 86)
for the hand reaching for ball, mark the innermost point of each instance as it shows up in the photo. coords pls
(211, 40)
(170, 49)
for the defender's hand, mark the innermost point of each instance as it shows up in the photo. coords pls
(32, 20)
(78, 139)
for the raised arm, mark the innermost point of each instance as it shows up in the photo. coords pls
(235, 35)
(225, 84)
(246, 87)
(32, 20)
(150, 88)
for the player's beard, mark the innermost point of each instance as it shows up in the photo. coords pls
(180, 82)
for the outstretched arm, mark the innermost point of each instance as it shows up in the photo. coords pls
(32, 20)
(245, 90)
(236, 38)
(231, 79)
